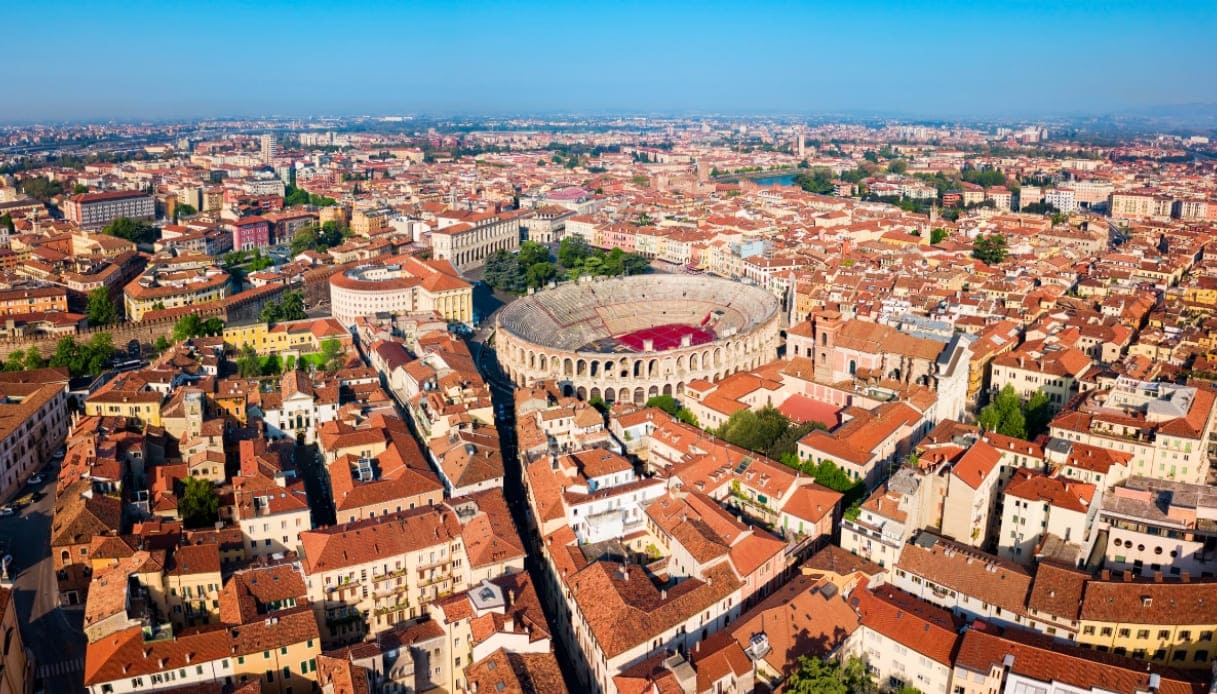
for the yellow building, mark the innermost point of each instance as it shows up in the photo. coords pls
(122, 398)
(1170, 623)
(164, 288)
(289, 338)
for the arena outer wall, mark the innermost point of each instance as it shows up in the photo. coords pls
(637, 376)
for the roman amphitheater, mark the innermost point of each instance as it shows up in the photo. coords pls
(632, 338)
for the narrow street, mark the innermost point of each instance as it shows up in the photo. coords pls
(53, 636)
(502, 393)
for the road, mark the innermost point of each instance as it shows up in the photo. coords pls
(55, 636)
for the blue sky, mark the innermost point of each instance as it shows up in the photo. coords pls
(140, 59)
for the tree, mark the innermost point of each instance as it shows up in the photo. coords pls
(16, 360)
(571, 250)
(289, 307)
(755, 431)
(821, 676)
(133, 230)
(332, 355)
(33, 359)
(248, 363)
(40, 187)
(1038, 413)
(990, 249)
(898, 166)
(938, 235)
(162, 343)
(79, 188)
(503, 271)
(532, 253)
(100, 309)
(184, 210)
(634, 264)
(667, 403)
(1005, 414)
(7, 221)
(188, 326)
(89, 358)
(540, 273)
(199, 504)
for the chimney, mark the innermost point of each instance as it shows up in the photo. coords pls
(1127, 576)
(1157, 577)
(1105, 574)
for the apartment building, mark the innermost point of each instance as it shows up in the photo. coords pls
(366, 576)
(19, 301)
(165, 287)
(1160, 526)
(906, 642)
(33, 423)
(1164, 427)
(1169, 623)
(1036, 506)
(1036, 366)
(93, 211)
(1014, 660)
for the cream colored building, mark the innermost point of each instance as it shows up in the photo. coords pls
(467, 239)
(367, 576)
(407, 285)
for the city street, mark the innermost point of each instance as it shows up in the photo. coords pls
(54, 636)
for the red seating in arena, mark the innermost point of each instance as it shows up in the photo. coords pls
(664, 337)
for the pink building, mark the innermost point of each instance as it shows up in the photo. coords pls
(250, 232)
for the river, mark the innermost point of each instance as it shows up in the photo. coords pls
(780, 180)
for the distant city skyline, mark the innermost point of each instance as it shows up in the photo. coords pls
(136, 60)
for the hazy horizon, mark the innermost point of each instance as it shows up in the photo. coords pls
(945, 60)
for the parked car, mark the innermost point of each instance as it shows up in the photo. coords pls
(7, 510)
(34, 479)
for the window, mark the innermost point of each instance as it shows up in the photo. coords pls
(1179, 656)
(1143, 633)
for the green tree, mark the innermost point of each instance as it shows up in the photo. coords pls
(40, 187)
(532, 253)
(33, 359)
(199, 504)
(1038, 413)
(991, 249)
(133, 230)
(540, 273)
(571, 250)
(100, 309)
(332, 355)
(213, 327)
(898, 166)
(817, 180)
(16, 360)
(248, 363)
(756, 431)
(79, 188)
(821, 676)
(188, 326)
(162, 343)
(1005, 414)
(88, 358)
(289, 307)
(184, 210)
(938, 235)
(7, 221)
(667, 403)
(635, 264)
